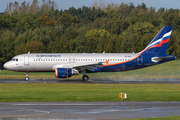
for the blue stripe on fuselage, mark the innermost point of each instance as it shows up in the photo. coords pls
(130, 65)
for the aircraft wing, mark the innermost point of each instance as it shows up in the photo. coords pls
(89, 66)
(83, 66)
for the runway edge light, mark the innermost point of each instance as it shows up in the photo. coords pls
(123, 95)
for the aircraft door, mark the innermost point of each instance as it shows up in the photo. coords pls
(140, 60)
(69, 60)
(72, 60)
(26, 60)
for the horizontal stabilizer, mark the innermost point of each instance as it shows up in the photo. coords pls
(158, 59)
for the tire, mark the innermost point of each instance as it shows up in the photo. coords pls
(27, 78)
(85, 78)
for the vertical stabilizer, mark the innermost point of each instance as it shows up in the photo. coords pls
(160, 42)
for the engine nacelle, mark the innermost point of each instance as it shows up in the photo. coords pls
(65, 72)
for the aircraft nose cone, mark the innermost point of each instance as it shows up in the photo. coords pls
(6, 66)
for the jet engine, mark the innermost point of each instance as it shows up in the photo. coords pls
(65, 72)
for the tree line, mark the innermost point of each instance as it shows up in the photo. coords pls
(115, 28)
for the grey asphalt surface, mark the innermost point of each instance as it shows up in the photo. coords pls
(103, 81)
(88, 110)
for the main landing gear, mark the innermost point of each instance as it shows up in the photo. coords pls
(85, 77)
(27, 76)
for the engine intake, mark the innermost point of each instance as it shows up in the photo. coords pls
(65, 72)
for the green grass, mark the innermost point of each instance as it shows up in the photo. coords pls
(169, 70)
(43, 92)
(160, 118)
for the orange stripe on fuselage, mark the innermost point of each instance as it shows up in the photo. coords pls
(121, 62)
(124, 61)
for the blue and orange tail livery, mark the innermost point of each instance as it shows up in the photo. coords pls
(159, 45)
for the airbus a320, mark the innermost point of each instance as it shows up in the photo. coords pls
(67, 65)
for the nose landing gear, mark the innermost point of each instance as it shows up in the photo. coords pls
(27, 76)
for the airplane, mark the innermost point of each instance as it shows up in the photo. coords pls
(67, 64)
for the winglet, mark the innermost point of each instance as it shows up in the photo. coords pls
(107, 62)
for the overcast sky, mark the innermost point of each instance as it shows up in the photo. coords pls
(65, 4)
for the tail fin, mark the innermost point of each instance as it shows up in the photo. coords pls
(160, 42)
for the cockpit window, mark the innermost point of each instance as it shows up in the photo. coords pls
(14, 59)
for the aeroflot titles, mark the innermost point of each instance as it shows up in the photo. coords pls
(59, 56)
(48, 56)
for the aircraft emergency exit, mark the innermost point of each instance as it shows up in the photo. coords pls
(66, 65)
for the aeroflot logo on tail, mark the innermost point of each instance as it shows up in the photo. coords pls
(48, 56)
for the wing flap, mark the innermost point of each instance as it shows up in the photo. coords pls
(88, 66)
(83, 66)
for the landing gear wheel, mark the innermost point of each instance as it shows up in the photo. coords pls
(27, 78)
(85, 78)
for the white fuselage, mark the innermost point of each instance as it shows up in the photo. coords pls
(50, 61)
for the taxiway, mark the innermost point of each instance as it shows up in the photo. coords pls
(103, 81)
